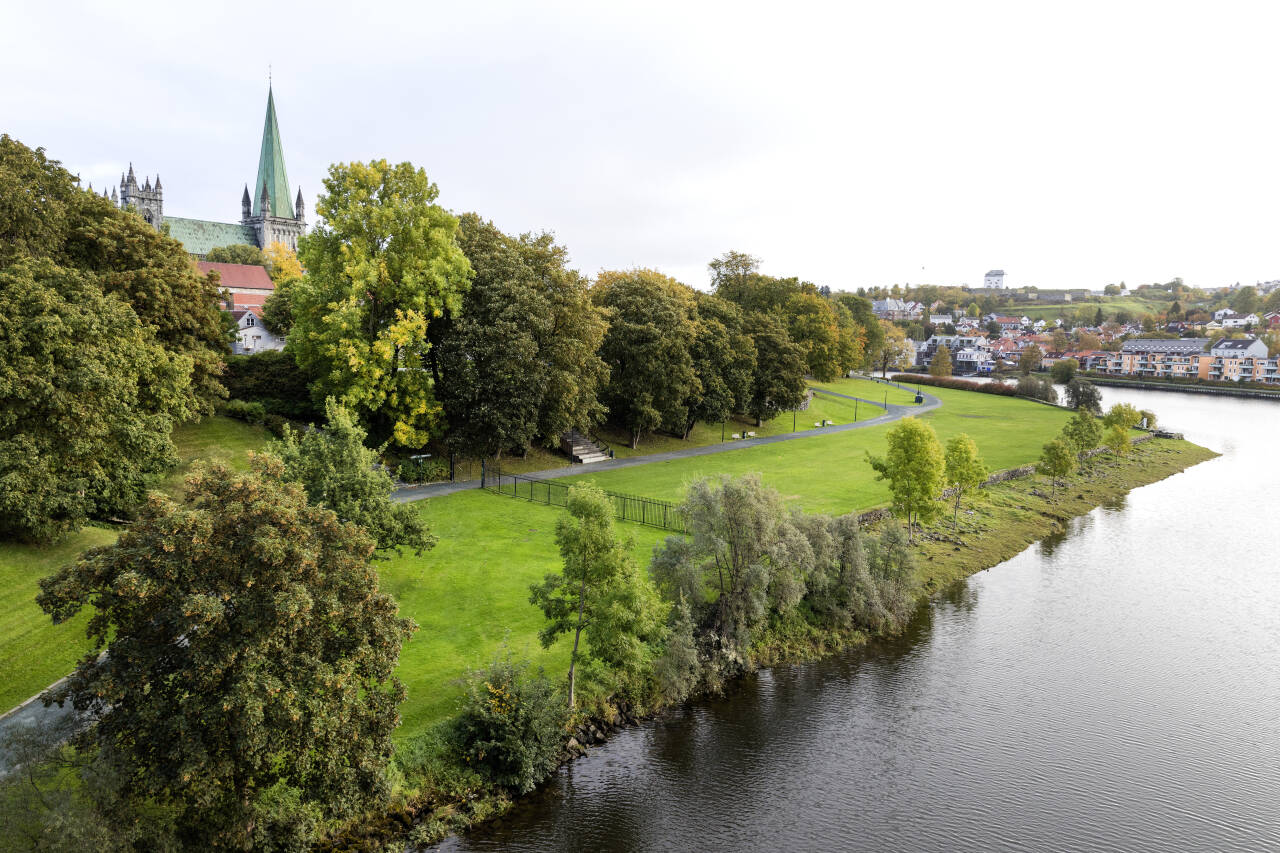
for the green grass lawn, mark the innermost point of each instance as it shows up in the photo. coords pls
(829, 473)
(869, 390)
(1135, 305)
(470, 594)
(820, 408)
(34, 652)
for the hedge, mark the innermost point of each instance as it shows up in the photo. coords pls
(272, 378)
(998, 388)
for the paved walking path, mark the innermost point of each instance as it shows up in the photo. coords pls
(33, 712)
(895, 412)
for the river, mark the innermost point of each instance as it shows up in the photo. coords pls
(1114, 688)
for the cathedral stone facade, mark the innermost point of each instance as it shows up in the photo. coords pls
(266, 215)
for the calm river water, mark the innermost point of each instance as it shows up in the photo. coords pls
(1116, 688)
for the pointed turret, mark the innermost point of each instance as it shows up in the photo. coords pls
(131, 181)
(298, 208)
(272, 177)
(146, 185)
(157, 182)
(114, 198)
(246, 204)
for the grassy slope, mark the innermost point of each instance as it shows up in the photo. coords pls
(33, 651)
(470, 594)
(830, 473)
(1135, 305)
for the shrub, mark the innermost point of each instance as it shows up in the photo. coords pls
(959, 384)
(275, 424)
(1064, 370)
(1037, 389)
(1150, 416)
(273, 379)
(421, 471)
(511, 727)
(241, 410)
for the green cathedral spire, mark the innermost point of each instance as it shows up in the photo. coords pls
(271, 173)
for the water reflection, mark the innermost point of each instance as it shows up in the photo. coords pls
(1114, 687)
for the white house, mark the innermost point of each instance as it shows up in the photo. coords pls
(994, 278)
(1239, 321)
(252, 336)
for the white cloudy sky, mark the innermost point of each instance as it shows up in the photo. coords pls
(852, 144)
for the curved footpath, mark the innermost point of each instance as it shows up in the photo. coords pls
(33, 712)
(405, 494)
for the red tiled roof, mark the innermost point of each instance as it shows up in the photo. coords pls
(249, 276)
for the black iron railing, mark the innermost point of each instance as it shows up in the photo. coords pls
(655, 513)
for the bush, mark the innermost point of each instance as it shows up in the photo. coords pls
(1150, 416)
(1037, 389)
(273, 379)
(1064, 370)
(421, 471)
(275, 424)
(999, 388)
(511, 728)
(241, 410)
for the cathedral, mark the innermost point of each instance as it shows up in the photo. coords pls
(266, 215)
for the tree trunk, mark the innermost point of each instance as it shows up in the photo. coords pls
(577, 635)
(955, 517)
(635, 439)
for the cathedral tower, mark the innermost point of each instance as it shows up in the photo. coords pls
(274, 217)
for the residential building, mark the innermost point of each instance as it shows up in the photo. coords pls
(245, 285)
(994, 279)
(251, 335)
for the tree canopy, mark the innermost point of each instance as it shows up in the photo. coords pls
(87, 401)
(247, 646)
(941, 363)
(652, 326)
(915, 467)
(518, 363)
(337, 471)
(383, 264)
(237, 253)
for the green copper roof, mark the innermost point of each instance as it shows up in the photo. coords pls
(271, 168)
(198, 236)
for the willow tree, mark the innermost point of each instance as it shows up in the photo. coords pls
(381, 267)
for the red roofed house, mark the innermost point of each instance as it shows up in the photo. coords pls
(246, 285)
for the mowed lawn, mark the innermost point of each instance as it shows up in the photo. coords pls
(867, 389)
(829, 473)
(831, 409)
(470, 595)
(34, 652)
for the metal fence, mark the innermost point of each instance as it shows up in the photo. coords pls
(655, 513)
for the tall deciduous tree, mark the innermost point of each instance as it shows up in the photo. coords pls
(237, 253)
(1116, 437)
(381, 267)
(1083, 395)
(1057, 460)
(1083, 432)
(724, 360)
(915, 467)
(600, 592)
(337, 471)
(777, 383)
(965, 470)
(286, 271)
(246, 644)
(518, 363)
(43, 215)
(896, 353)
(1029, 359)
(87, 401)
(652, 324)
(941, 363)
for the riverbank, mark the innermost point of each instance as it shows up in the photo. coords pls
(1219, 389)
(994, 525)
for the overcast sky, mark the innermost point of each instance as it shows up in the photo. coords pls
(851, 144)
